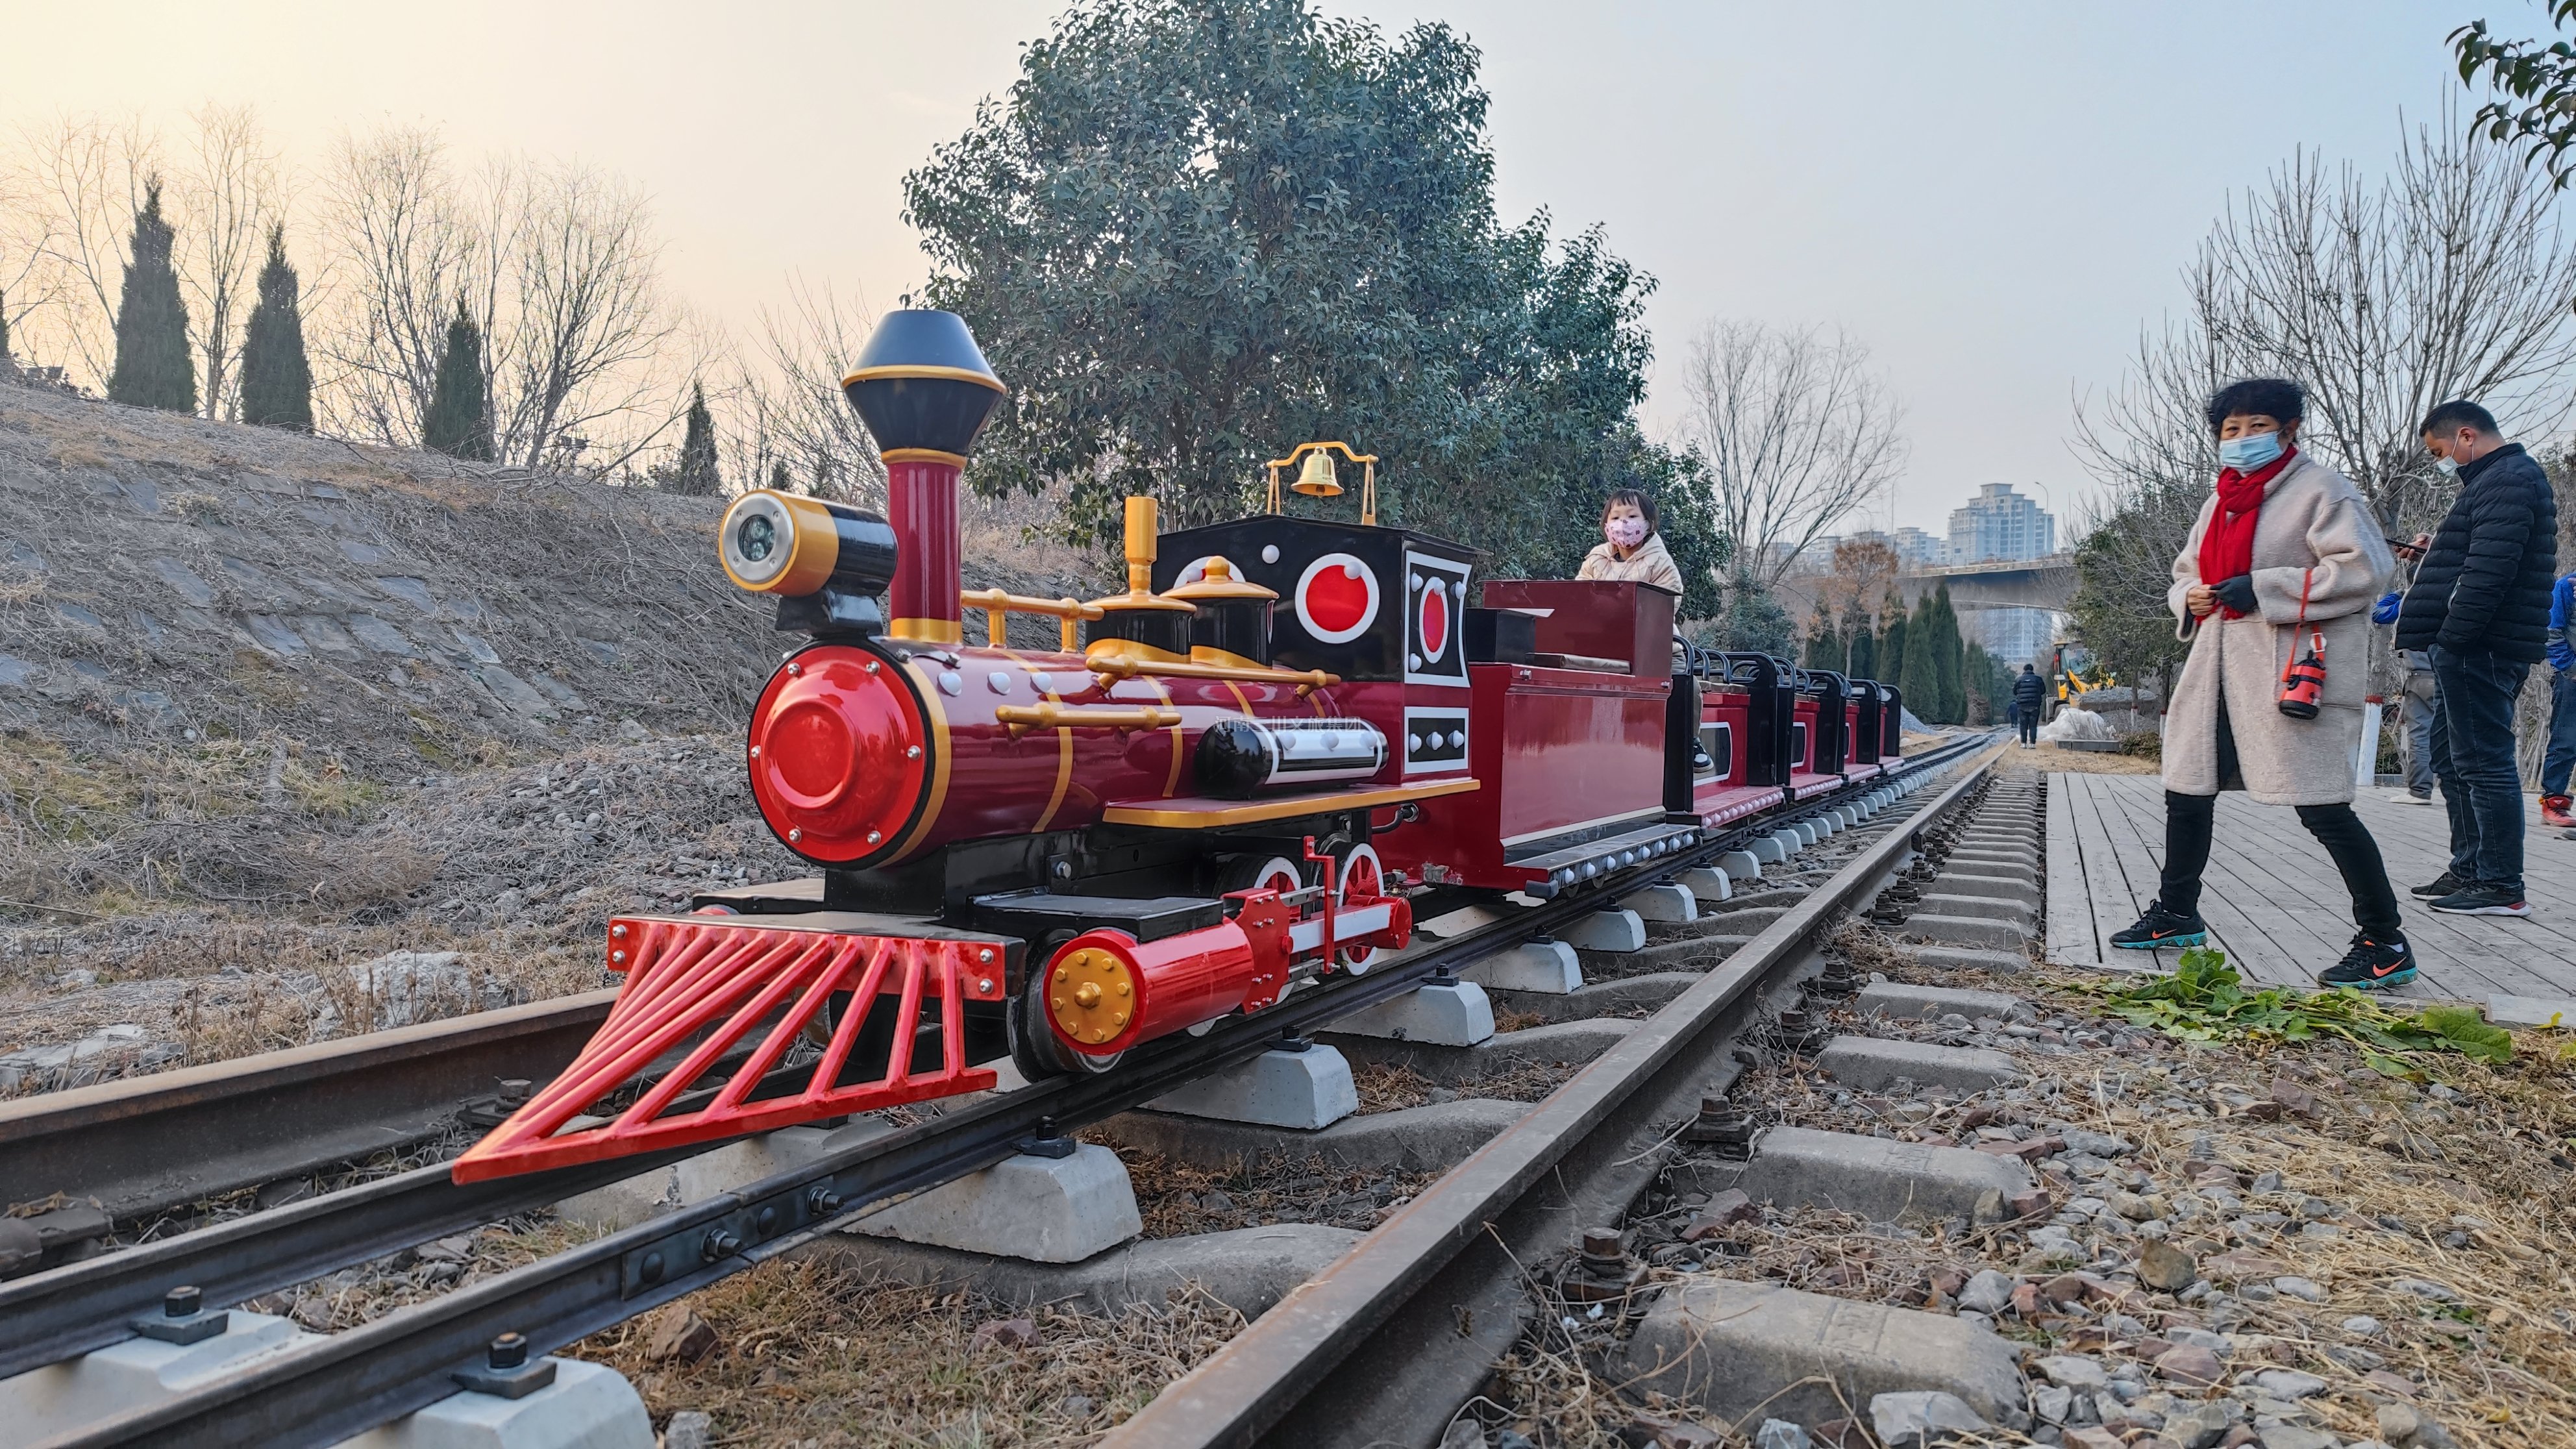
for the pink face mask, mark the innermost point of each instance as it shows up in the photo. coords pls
(1626, 532)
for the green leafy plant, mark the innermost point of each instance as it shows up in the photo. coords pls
(2205, 1000)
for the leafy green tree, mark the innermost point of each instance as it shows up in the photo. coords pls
(2534, 85)
(697, 474)
(459, 423)
(276, 377)
(1197, 232)
(153, 369)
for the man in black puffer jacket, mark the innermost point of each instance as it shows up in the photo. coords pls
(2480, 605)
(2026, 695)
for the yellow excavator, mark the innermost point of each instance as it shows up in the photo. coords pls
(2071, 683)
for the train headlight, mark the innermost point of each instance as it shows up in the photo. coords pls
(792, 546)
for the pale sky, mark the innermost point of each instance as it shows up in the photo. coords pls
(1994, 197)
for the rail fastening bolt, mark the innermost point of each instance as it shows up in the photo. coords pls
(719, 1244)
(514, 1092)
(821, 1200)
(183, 1301)
(509, 1351)
(1601, 1245)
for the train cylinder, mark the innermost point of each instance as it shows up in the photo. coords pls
(1106, 991)
(1239, 758)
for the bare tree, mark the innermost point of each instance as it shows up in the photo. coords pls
(230, 193)
(86, 177)
(585, 315)
(31, 282)
(405, 252)
(1798, 432)
(789, 407)
(2449, 277)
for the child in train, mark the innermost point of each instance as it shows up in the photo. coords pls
(1631, 549)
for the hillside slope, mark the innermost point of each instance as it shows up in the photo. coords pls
(271, 705)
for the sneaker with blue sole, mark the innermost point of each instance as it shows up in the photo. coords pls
(2372, 965)
(2160, 928)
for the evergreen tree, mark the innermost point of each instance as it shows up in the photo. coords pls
(1922, 681)
(153, 369)
(1864, 649)
(276, 379)
(780, 480)
(1820, 648)
(4, 327)
(1891, 651)
(460, 401)
(698, 476)
(1949, 657)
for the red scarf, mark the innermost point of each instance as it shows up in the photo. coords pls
(2227, 545)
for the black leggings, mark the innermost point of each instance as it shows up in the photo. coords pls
(2346, 839)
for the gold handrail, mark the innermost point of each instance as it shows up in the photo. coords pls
(1111, 667)
(1023, 718)
(999, 605)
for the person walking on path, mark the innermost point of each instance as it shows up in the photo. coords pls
(2555, 765)
(2026, 690)
(2419, 700)
(2284, 556)
(2480, 608)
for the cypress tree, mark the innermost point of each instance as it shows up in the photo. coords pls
(698, 475)
(153, 369)
(1922, 681)
(4, 327)
(1891, 650)
(277, 380)
(1864, 649)
(780, 480)
(460, 401)
(1950, 658)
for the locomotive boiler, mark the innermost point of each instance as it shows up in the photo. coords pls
(1234, 779)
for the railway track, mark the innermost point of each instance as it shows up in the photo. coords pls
(1437, 1251)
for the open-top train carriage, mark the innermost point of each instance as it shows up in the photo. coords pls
(1238, 782)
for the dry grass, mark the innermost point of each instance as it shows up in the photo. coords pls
(1176, 1199)
(811, 1356)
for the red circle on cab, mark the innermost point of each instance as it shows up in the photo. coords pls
(1337, 598)
(1435, 621)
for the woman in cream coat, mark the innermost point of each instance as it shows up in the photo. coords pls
(2285, 553)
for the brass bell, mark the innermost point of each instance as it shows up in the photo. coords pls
(1316, 479)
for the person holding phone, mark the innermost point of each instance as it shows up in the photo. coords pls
(2284, 553)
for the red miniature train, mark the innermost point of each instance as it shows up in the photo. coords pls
(1282, 735)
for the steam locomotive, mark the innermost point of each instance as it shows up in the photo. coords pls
(1238, 782)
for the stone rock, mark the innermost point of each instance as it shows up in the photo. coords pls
(2190, 1364)
(2238, 1265)
(2406, 1427)
(1730, 1206)
(676, 1335)
(2296, 1436)
(2092, 1437)
(2075, 1371)
(1006, 1333)
(1658, 1431)
(2390, 1383)
(2361, 1325)
(2425, 1288)
(689, 1429)
(2052, 1404)
(2289, 1384)
(1780, 1434)
(2098, 1144)
(2306, 1290)
(1465, 1433)
(2166, 1268)
(1989, 1292)
(2199, 1426)
(1918, 1418)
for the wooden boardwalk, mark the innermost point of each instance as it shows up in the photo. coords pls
(2274, 902)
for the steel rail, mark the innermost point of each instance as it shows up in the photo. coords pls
(404, 1361)
(1328, 1364)
(145, 1145)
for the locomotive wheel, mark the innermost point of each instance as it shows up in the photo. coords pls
(1362, 874)
(1035, 1048)
(1251, 872)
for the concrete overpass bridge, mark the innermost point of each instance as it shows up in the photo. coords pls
(2047, 582)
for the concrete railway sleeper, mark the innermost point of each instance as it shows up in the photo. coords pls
(330, 1388)
(1383, 1346)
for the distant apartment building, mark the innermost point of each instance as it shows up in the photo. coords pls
(2013, 636)
(1999, 525)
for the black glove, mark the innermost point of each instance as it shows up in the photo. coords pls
(2236, 593)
